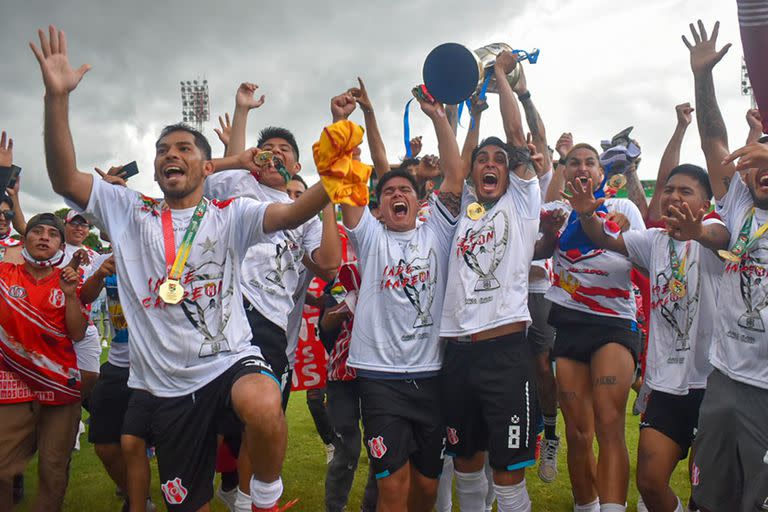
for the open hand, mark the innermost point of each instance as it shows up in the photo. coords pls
(704, 55)
(59, 76)
(415, 144)
(582, 198)
(245, 96)
(6, 150)
(754, 155)
(226, 129)
(683, 224)
(115, 175)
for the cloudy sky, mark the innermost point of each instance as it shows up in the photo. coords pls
(604, 65)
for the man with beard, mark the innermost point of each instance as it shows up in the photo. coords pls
(730, 470)
(178, 261)
(395, 346)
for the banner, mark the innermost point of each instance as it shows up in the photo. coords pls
(311, 368)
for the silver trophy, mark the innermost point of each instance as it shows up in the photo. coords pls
(486, 244)
(422, 294)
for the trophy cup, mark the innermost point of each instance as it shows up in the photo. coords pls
(453, 72)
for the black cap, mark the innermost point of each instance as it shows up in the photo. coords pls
(46, 219)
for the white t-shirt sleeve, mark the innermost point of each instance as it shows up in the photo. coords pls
(443, 224)
(95, 264)
(366, 232)
(640, 246)
(734, 202)
(227, 184)
(544, 182)
(249, 223)
(313, 235)
(631, 212)
(111, 205)
(526, 196)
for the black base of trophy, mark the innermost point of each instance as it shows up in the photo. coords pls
(451, 73)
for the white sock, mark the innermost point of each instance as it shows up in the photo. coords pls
(242, 501)
(612, 507)
(265, 495)
(444, 501)
(679, 505)
(512, 498)
(491, 496)
(587, 507)
(471, 489)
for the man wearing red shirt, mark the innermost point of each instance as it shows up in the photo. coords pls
(40, 317)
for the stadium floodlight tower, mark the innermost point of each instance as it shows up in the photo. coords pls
(195, 102)
(746, 85)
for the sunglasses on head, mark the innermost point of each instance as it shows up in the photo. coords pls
(8, 214)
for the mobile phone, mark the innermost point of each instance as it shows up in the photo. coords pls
(129, 169)
(5, 178)
(15, 172)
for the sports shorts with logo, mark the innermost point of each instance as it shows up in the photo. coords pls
(109, 402)
(271, 340)
(402, 423)
(541, 335)
(675, 416)
(580, 335)
(730, 470)
(184, 431)
(489, 400)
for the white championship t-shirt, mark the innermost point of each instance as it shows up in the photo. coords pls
(596, 281)
(740, 346)
(681, 328)
(177, 349)
(403, 279)
(542, 284)
(271, 272)
(489, 263)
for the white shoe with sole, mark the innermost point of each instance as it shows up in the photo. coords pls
(548, 462)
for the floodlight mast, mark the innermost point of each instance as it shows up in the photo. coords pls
(746, 85)
(195, 102)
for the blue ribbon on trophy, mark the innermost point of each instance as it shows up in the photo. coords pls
(452, 73)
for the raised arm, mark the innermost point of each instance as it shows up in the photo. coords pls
(557, 185)
(583, 202)
(281, 216)
(93, 285)
(476, 109)
(375, 142)
(510, 113)
(60, 80)
(533, 119)
(670, 158)
(714, 137)
(755, 123)
(549, 226)
(450, 159)
(244, 103)
(327, 258)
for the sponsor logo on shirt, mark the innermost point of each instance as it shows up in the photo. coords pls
(453, 437)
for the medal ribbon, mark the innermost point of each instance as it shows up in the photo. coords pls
(744, 242)
(678, 267)
(175, 261)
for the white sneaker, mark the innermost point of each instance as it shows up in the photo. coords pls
(641, 505)
(329, 451)
(228, 497)
(151, 506)
(80, 431)
(548, 463)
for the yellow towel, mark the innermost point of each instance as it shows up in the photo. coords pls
(344, 178)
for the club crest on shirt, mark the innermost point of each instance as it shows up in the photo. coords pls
(56, 298)
(174, 491)
(17, 292)
(484, 247)
(452, 435)
(377, 447)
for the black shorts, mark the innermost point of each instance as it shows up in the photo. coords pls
(108, 402)
(580, 335)
(272, 342)
(402, 423)
(675, 416)
(184, 431)
(488, 390)
(541, 335)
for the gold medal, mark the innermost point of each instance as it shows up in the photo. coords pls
(171, 291)
(617, 181)
(677, 287)
(475, 211)
(728, 255)
(263, 157)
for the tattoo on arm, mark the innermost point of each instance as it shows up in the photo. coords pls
(606, 380)
(709, 118)
(451, 201)
(531, 117)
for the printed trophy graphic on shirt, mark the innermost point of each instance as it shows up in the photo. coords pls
(209, 306)
(679, 313)
(420, 289)
(284, 262)
(484, 249)
(751, 284)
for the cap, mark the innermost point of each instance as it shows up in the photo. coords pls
(46, 219)
(72, 215)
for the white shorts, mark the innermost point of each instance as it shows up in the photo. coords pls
(88, 351)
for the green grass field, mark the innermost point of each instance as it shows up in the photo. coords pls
(90, 489)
